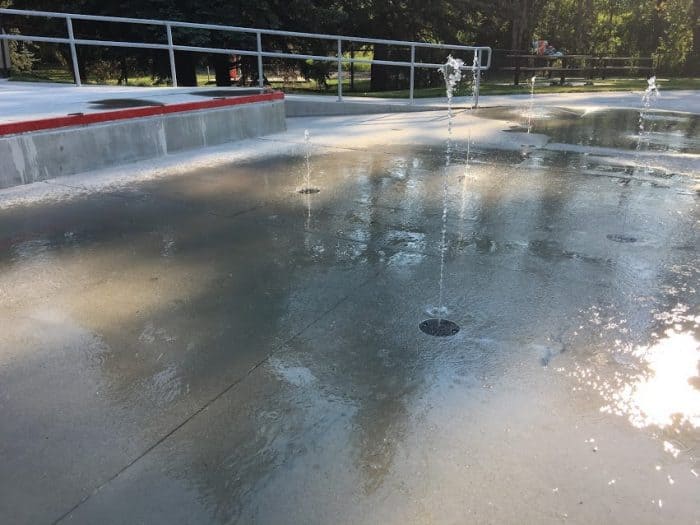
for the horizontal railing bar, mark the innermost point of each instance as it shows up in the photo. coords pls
(215, 27)
(29, 38)
(81, 42)
(320, 58)
(222, 51)
(75, 16)
(117, 43)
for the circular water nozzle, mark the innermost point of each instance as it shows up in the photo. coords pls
(439, 327)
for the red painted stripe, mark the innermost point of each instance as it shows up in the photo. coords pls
(28, 126)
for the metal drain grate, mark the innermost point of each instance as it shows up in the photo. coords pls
(439, 327)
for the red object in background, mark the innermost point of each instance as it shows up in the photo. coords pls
(234, 72)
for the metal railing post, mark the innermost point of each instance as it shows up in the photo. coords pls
(477, 78)
(413, 72)
(171, 53)
(261, 78)
(340, 70)
(73, 52)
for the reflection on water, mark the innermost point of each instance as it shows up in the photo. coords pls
(612, 128)
(32, 251)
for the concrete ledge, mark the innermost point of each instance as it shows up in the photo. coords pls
(317, 106)
(41, 155)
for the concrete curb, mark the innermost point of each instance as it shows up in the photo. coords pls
(84, 119)
(41, 155)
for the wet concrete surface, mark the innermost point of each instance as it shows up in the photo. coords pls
(616, 128)
(214, 347)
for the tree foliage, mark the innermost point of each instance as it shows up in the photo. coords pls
(665, 29)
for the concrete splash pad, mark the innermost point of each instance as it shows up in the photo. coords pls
(207, 345)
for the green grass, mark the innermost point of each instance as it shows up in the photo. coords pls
(500, 87)
(63, 75)
(362, 85)
(44, 75)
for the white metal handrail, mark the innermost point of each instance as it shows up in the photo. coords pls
(171, 47)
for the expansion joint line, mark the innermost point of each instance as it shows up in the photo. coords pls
(218, 396)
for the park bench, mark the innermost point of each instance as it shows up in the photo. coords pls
(563, 66)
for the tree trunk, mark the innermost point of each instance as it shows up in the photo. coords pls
(692, 63)
(124, 71)
(521, 16)
(185, 67)
(580, 27)
(589, 17)
(222, 70)
(4, 58)
(519, 40)
(657, 28)
(380, 74)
